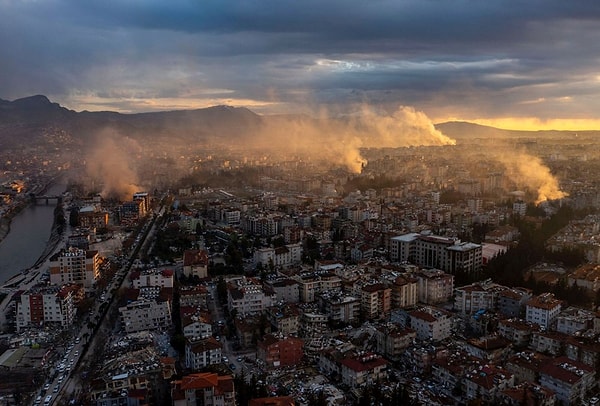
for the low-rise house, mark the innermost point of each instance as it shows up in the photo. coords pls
(205, 388)
(195, 263)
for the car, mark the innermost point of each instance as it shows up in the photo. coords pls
(47, 386)
(56, 389)
(239, 359)
(232, 366)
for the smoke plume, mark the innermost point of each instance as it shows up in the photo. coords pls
(111, 162)
(529, 171)
(338, 140)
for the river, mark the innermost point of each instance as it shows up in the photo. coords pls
(28, 236)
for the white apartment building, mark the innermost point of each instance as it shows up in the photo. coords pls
(431, 323)
(75, 265)
(40, 306)
(197, 330)
(200, 354)
(146, 313)
(543, 309)
(283, 257)
(477, 296)
(248, 297)
(152, 277)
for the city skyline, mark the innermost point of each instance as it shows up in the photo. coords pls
(509, 65)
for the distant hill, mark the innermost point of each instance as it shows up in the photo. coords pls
(30, 118)
(461, 130)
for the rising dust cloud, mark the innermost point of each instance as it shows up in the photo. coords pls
(110, 164)
(335, 140)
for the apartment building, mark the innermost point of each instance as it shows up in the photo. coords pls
(75, 265)
(202, 353)
(477, 296)
(43, 305)
(375, 301)
(247, 296)
(434, 286)
(431, 323)
(405, 291)
(543, 309)
(152, 277)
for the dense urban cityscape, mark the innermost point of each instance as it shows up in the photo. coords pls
(284, 203)
(223, 276)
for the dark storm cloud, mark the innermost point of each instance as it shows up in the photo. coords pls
(495, 56)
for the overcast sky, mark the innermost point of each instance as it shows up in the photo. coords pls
(509, 63)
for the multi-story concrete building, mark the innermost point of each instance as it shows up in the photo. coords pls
(193, 296)
(431, 251)
(392, 340)
(477, 296)
(486, 383)
(285, 289)
(574, 320)
(434, 286)
(431, 323)
(339, 308)
(284, 319)
(75, 265)
(280, 351)
(247, 296)
(543, 309)
(375, 301)
(202, 353)
(313, 283)
(41, 306)
(147, 308)
(91, 217)
(511, 302)
(283, 257)
(364, 369)
(569, 380)
(152, 277)
(405, 291)
(195, 263)
(205, 388)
